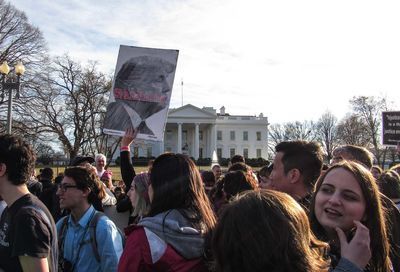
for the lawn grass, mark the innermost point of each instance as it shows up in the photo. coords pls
(117, 173)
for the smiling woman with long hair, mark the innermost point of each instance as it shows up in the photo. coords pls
(171, 237)
(346, 212)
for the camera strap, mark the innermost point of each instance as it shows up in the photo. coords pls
(64, 230)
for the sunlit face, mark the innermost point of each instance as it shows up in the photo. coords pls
(279, 180)
(339, 201)
(107, 181)
(70, 196)
(100, 163)
(217, 172)
(132, 195)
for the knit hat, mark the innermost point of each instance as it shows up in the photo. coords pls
(107, 175)
(141, 183)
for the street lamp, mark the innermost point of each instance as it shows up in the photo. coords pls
(10, 84)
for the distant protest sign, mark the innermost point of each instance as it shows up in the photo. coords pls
(390, 127)
(141, 92)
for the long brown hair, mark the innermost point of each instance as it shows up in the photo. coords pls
(177, 184)
(266, 230)
(375, 214)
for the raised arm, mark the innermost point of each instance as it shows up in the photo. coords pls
(127, 170)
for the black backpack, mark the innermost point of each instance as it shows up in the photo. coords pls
(92, 230)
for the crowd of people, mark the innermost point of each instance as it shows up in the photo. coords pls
(295, 214)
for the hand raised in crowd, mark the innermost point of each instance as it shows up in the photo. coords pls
(358, 250)
(130, 135)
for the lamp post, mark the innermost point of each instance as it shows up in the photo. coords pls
(10, 84)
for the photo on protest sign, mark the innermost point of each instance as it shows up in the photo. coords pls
(141, 92)
(391, 128)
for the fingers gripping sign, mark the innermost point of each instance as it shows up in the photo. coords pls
(129, 137)
(357, 250)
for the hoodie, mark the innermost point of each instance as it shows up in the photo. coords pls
(172, 227)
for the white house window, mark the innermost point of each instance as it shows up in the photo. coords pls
(219, 135)
(232, 152)
(232, 135)
(245, 135)
(219, 152)
(149, 151)
(246, 153)
(258, 134)
(201, 135)
(169, 135)
(258, 151)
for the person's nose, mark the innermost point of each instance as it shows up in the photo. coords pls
(335, 199)
(59, 191)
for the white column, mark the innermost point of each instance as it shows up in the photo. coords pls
(179, 145)
(162, 147)
(196, 141)
(213, 141)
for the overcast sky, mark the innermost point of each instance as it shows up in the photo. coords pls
(290, 60)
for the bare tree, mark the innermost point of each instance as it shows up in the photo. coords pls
(19, 40)
(276, 134)
(351, 130)
(70, 103)
(300, 131)
(369, 109)
(291, 131)
(326, 129)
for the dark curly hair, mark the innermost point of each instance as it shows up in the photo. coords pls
(19, 158)
(85, 177)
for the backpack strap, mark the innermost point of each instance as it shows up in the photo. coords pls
(92, 231)
(61, 235)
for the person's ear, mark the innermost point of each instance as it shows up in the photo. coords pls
(86, 192)
(3, 169)
(294, 175)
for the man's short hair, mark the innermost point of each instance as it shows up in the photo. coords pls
(237, 158)
(389, 184)
(47, 173)
(305, 156)
(239, 166)
(356, 153)
(19, 158)
(80, 159)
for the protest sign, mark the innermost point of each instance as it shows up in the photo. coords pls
(141, 92)
(391, 127)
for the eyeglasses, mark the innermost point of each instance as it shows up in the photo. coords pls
(64, 187)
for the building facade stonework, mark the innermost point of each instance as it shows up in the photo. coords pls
(198, 132)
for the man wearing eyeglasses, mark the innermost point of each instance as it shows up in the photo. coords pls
(28, 239)
(78, 190)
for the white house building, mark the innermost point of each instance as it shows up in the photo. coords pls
(199, 132)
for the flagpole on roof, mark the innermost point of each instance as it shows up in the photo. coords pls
(182, 90)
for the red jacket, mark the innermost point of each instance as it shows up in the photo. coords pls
(145, 251)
